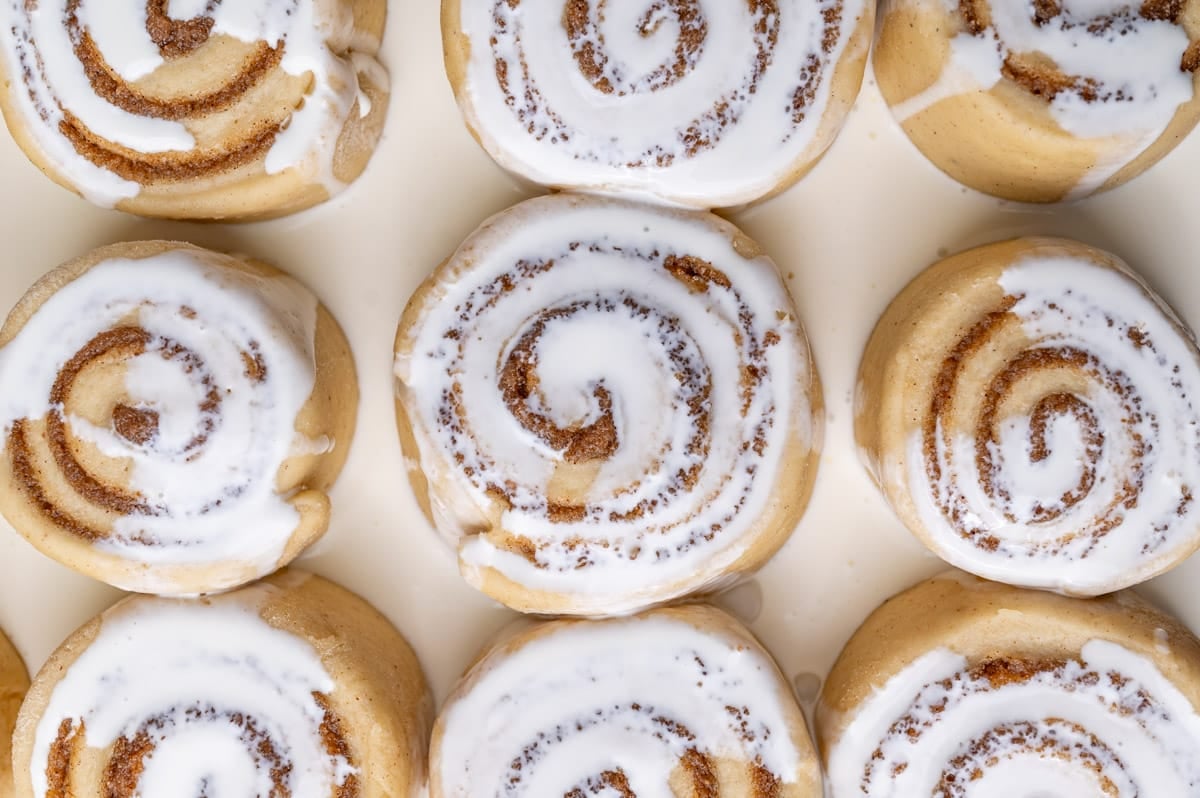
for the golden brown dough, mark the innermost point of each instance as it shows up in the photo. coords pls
(961, 687)
(14, 681)
(249, 110)
(681, 701)
(290, 686)
(1041, 101)
(701, 104)
(173, 417)
(607, 405)
(1028, 409)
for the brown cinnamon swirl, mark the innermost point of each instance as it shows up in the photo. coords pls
(966, 688)
(290, 687)
(702, 103)
(172, 417)
(199, 109)
(1028, 409)
(607, 405)
(1041, 101)
(678, 701)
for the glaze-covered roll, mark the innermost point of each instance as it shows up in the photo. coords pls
(290, 687)
(172, 417)
(1029, 410)
(961, 687)
(14, 681)
(607, 405)
(703, 103)
(195, 110)
(1041, 101)
(673, 702)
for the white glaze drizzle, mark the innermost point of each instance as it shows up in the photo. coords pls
(36, 46)
(183, 671)
(1110, 714)
(638, 332)
(630, 695)
(1134, 66)
(549, 122)
(1145, 392)
(215, 501)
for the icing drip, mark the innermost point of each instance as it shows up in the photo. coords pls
(89, 96)
(617, 707)
(1107, 69)
(622, 382)
(1083, 454)
(215, 365)
(195, 698)
(1108, 723)
(672, 98)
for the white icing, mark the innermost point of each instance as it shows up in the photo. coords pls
(36, 43)
(1074, 726)
(1067, 303)
(216, 501)
(640, 361)
(179, 670)
(556, 127)
(1134, 63)
(562, 706)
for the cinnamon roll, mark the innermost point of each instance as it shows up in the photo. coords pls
(1029, 410)
(172, 417)
(290, 687)
(960, 687)
(606, 405)
(680, 701)
(701, 103)
(1041, 101)
(195, 110)
(14, 681)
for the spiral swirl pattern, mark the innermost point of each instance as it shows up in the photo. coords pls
(980, 714)
(1058, 443)
(677, 702)
(158, 407)
(607, 402)
(229, 696)
(181, 99)
(704, 103)
(1093, 86)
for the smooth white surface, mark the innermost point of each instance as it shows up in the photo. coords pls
(849, 236)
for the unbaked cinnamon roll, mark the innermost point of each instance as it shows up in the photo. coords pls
(200, 109)
(172, 417)
(702, 103)
(1029, 409)
(674, 702)
(960, 687)
(1045, 100)
(14, 681)
(607, 405)
(289, 687)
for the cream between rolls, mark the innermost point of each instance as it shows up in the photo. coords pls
(607, 405)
